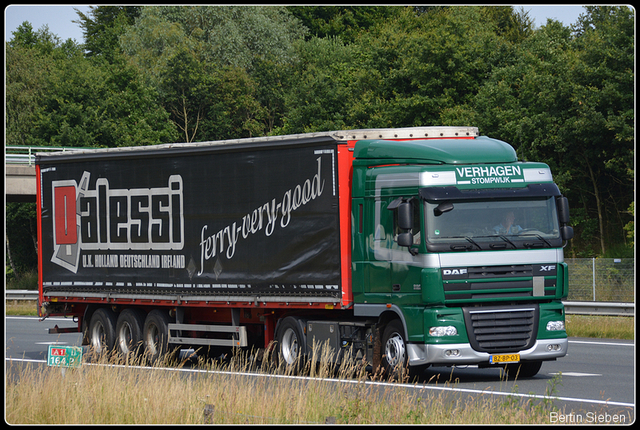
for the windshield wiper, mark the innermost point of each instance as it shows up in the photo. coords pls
(534, 245)
(461, 247)
(506, 239)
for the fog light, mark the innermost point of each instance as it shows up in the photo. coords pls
(451, 353)
(443, 331)
(555, 325)
(554, 347)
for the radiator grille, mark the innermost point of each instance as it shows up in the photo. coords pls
(496, 330)
(476, 284)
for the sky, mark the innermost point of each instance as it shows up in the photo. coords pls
(59, 18)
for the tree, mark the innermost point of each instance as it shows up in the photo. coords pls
(57, 97)
(409, 69)
(21, 237)
(224, 35)
(320, 95)
(346, 22)
(146, 75)
(605, 45)
(91, 103)
(429, 63)
(563, 103)
(514, 25)
(190, 54)
(31, 57)
(102, 27)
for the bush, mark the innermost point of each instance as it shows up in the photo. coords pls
(26, 281)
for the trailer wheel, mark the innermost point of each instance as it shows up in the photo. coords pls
(289, 340)
(156, 334)
(129, 330)
(102, 334)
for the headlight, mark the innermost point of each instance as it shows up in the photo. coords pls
(443, 331)
(555, 325)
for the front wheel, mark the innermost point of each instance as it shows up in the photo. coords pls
(527, 369)
(395, 356)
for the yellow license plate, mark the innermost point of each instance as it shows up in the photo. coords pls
(504, 358)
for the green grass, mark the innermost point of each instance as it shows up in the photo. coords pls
(601, 327)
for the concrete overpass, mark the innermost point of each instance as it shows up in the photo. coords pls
(20, 171)
(20, 183)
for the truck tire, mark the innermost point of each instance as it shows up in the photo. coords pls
(102, 331)
(395, 356)
(394, 350)
(129, 331)
(526, 369)
(290, 342)
(156, 335)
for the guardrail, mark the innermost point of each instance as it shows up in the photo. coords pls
(21, 294)
(571, 308)
(600, 308)
(26, 155)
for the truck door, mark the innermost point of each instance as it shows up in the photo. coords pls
(405, 264)
(392, 268)
(379, 243)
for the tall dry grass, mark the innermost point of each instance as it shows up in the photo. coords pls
(117, 391)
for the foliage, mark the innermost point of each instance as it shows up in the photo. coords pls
(345, 22)
(563, 95)
(21, 239)
(207, 64)
(57, 97)
(558, 102)
(103, 27)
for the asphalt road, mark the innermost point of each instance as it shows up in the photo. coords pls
(595, 380)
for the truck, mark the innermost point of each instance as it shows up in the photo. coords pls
(405, 248)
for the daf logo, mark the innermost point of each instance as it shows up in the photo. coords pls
(452, 272)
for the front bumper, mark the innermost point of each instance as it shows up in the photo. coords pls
(436, 354)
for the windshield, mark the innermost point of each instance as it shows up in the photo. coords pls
(491, 224)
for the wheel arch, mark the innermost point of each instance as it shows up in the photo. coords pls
(391, 314)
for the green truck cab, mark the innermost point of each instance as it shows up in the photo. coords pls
(465, 244)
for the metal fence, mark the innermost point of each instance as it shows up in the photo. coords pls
(27, 154)
(601, 279)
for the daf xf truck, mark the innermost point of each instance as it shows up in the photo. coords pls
(405, 247)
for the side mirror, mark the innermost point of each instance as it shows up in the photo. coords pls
(563, 210)
(404, 219)
(442, 208)
(405, 216)
(566, 232)
(405, 239)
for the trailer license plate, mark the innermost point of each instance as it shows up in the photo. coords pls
(504, 358)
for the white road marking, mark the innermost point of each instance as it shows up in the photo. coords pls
(601, 343)
(575, 374)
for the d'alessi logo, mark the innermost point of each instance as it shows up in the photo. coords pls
(114, 219)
